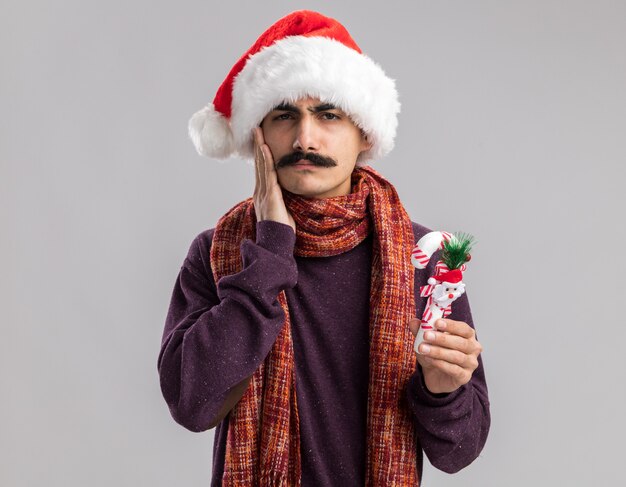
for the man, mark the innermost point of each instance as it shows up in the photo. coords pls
(292, 322)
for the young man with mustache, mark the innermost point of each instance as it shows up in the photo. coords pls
(291, 324)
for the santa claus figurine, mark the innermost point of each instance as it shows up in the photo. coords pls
(446, 285)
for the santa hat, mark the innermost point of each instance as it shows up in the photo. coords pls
(302, 54)
(452, 278)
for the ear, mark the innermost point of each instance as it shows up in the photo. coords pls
(365, 143)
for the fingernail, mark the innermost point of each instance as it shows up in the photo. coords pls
(441, 325)
(429, 335)
(424, 348)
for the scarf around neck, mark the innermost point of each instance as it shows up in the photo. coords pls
(263, 439)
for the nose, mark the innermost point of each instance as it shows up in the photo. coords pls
(306, 135)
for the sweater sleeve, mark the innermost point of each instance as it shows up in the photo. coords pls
(453, 427)
(217, 336)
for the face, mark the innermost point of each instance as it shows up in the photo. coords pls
(315, 146)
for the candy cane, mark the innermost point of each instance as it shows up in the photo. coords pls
(420, 256)
(427, 246)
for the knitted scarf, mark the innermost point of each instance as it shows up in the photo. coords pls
(263, 439)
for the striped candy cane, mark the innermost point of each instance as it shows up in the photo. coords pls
(427, 246)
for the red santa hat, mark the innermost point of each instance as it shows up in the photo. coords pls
(452, 278)
(302, 54)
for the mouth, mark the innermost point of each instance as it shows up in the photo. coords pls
(305, 164)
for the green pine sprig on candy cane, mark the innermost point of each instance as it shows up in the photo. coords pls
(456, 252)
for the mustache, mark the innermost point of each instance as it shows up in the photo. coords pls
(315, 159)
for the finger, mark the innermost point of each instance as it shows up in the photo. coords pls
(455, 357)
(271, 178)
(256, 163)
(267, 168)
(425, 361)
(450, 341)
(265, 149)
(459, 328)
(460, 374)
(259, 159)
(260, 135)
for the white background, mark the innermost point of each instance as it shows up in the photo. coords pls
(512, 128)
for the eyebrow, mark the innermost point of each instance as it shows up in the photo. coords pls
(288, 107)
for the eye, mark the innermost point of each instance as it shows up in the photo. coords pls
(330, 116)
(283, 116)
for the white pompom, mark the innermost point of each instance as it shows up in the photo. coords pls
(210, 133)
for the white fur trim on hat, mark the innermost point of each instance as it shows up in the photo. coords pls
(210, 133)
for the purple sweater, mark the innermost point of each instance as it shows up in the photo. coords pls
(216, 337)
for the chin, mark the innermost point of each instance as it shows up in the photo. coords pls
(307, 193)
(302, 190)
(302, 184)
